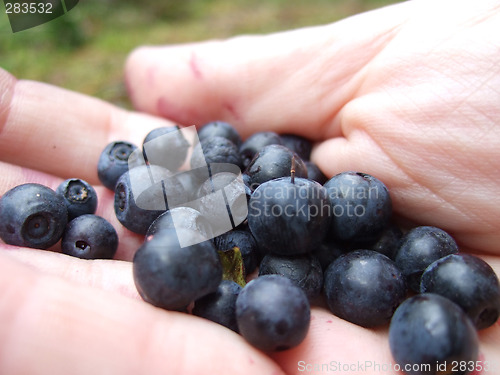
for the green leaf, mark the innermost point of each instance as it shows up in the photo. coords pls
(232, 265)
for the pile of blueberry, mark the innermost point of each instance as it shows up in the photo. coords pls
(262, 204)
(34, 215)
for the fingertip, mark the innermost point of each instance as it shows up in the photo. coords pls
(5, 79)
(355, 151)
(164, 81)
(334, 155)
(135, 73)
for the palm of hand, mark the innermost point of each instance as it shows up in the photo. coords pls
(398, 103)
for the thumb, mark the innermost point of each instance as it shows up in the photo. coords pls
(278, 82)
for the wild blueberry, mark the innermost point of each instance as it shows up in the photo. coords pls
(218, 153)
(170, 276)
(419, 248)
(257, 142)
(246, 182)
(288, 216)
(304, 270)
(429, 335)
(314, 173)
(166, 147)
(181, 217)
(272, 162)
(32, 215)
(219, 129)
(468, 281)
(364, 287)
(79, 196)
(144, 193)
(220, 306)
(329, 250)
(296, 143)
(245, 242)
(114, 162)
(90, 237)
(360, 206)
(191, 182)
(222, 201)
(388, 242)
(273, 313)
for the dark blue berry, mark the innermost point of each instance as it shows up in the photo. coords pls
(181, 217)
(246, 182)
(304, 270)
(388, 242)
(360, 206)
(419, 248)
(302, 146)
(191, 181)
(273, 162)
(328, 251)
(144, 193)
(273, 313)
(218, 153)
(220, 306)
(170, 276)
(469, 282)
(245, 242)
(364, 287)
(288, 216)
(32, 215)
(431, 335)
(80, 197)
(220, 129)
(314, 173)
(222, 201)
(166, 147)
(113, 162)
(90, 237)
(257, 142)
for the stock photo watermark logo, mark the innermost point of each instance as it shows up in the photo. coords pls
(26, 14)
(218, 194)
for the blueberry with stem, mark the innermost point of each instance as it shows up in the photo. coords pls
(298, 211)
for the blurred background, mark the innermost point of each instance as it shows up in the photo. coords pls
(85, 49)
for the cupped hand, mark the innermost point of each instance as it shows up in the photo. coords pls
(408, 93)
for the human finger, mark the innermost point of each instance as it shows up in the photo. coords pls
(281, 82)
(60, 132)
(114, 276)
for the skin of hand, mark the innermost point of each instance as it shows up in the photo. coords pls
(408, 93)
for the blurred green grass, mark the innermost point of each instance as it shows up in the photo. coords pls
(85, 50)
